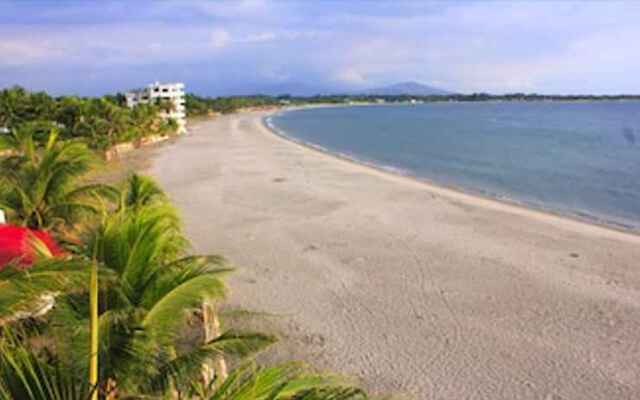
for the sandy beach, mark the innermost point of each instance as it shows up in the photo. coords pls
(414, 289)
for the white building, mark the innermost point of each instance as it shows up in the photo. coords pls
(173, 92)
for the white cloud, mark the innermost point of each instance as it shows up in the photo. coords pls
(471, 46)
(259, 37)
(220, 38)
(16, 52)
(350, 75)
(239, 8)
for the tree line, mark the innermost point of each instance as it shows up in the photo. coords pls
(202, 105)
(101, 121)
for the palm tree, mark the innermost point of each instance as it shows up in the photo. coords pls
(12, 106)
(26, 375)
(146, 119)
(40, 185)
(149, 294)
(17, 106)
(146, 309)
(110, 121)
(289, 381)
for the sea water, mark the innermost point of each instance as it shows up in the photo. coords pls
(577, 158)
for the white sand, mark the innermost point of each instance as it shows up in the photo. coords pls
(415, 289)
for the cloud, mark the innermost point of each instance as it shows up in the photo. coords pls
(230, 9)
(466, 46)
(16, 52)
(220, 38)
(259, 37)
(350, 76)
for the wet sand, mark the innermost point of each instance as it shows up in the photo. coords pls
(417, 290)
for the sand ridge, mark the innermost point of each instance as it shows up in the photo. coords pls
(415, 289)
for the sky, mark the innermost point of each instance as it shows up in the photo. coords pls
(241, 47)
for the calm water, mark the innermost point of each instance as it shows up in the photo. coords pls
(575, 158)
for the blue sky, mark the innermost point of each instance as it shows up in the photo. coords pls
(221, 48)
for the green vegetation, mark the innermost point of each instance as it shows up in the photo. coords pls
(101, 122)
(127, 312)
(198, 105)
(41, 183)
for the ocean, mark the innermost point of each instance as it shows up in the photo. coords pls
(575, 158)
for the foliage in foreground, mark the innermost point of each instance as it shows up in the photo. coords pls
(151, 301)
(151, 292)
(26, 376)
(40, 185)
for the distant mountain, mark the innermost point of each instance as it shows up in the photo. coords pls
(406, 88)
(295, 88)
(290, 88)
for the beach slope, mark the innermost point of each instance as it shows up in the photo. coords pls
(415, 289)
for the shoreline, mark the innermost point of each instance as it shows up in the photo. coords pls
(452, 190)
(414, 290)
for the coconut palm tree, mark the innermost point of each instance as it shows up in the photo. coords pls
(146, 119)
(145, 311)
(24, 374)
(149, 295)
(14, 106)
(40, 185)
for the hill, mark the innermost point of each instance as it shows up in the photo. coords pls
(406, 88)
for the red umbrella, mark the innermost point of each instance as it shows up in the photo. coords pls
(17, 244)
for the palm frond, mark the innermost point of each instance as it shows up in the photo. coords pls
(139, 191)
(23, 375)
(238, 344)
(42, 183)
(175, 273)
(283, 382)
(138, 239)
(168, 315)
(186, 367)
(96, 189)
(24, 292)
(127, 353)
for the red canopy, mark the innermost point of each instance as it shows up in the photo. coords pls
(16, 244)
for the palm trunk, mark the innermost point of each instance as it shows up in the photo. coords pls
(218, 368)
(93, 305)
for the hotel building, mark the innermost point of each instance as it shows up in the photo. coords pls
(173, 92)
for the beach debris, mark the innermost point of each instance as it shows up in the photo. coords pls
(310, 247)
(279, 179)
(574, 255)
(314, 339)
